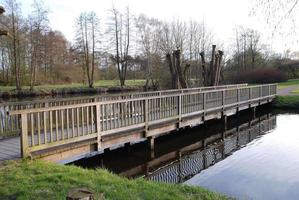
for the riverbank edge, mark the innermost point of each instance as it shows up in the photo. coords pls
(286, 102)
(32, 179)
(26, 93)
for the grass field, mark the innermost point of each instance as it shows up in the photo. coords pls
(295, 91)
(288, 83)
(39, 180)
(100, 83)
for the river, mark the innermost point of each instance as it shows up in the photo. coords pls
(253, 157)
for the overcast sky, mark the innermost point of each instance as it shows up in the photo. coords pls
(219, 15)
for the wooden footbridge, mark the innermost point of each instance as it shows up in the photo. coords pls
(70, 129)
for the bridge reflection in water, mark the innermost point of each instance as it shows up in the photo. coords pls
(178, 158)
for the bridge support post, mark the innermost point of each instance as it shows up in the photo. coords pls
(253, 112)
(128, 147)
(98, 118)
(224, 120)
(151, 143)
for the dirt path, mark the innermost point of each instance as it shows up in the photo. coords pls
(287, 91)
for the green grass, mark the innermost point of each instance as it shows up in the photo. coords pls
(295, 91)
(288, 83)
(100, 83)
(288, 102)
(40, 180)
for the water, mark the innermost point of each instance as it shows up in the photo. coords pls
(253, 158)
(266, 168)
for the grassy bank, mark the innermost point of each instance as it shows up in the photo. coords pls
(39, 180)
(287, 102)
(76, 88)
(288, 83)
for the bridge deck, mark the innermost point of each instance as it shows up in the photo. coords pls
(10, 149)
(72, 129)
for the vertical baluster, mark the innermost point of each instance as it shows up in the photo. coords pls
(56, 124)
(67, 123)
(118, 115)
(146, 113)
(106, 115)
(124, 114)
(38, 129)
(115, 115)
(102, 116)
(93, 123)
(62, 124)
(82, 120)
(154, 108)
(78, 120)
(51, 126)
(45, 127)
(87, 119)
(169, 106)
(73, 122)
(138, 107)
(32, 129)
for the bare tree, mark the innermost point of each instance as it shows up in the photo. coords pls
(38, 26)
(15, 34)
(148, 29)
(120, 28)
(87, 42)
(276, 13)
(247, 48)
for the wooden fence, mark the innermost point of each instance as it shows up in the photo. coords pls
(49, 127)
(10, 125)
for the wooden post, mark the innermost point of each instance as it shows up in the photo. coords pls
(223, 101)
(24, 136)
(98, 117)
(146, 116)
(180, 109)
(261, 93)
(250, 96)
(224, 119)
(204, 106)
(268, 100)
(151, 143)
(238, 99)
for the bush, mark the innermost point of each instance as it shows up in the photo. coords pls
(262, 75)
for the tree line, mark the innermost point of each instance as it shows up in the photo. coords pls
(175, 54)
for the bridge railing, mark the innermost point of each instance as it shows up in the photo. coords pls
(10, 125)
(44, 128)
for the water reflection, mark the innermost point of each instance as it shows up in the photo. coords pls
(218, 148)
(179, 157)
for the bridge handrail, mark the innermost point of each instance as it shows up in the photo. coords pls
(120, 94)
(34, 110)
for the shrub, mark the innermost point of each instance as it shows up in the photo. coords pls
(262, 75)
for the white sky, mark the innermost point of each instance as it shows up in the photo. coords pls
(221, 16)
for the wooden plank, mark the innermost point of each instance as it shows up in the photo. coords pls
(24, 137)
